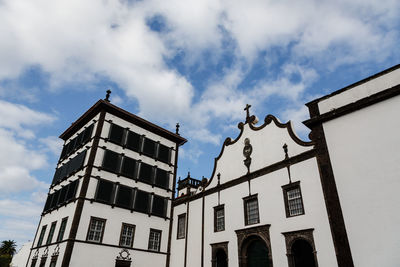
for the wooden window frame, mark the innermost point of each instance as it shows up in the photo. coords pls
(159, 242)
(245, 201)
(285, 189)
(102, 230)
(178, 236)
(133, 234)
(216, 209)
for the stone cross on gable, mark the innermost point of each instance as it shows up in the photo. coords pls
(247, 108)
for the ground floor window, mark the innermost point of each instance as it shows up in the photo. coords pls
(300, 248)
(219, 254)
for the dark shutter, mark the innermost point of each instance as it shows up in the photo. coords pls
(87, 134)
(72, 190)
(64, 171)
(64, 152)
(124, 196)
(128, 167)
(146, 173)
(72, 165)
(111, 161)
(104, 191)
(63, 195)
(142, 201)
(54, 201)
(163, 153)
(116, 134)
(79, 141)
(162, 178)
(133, 141)
(80, 159)
(158, 207)
(71, 146)
(149, 147)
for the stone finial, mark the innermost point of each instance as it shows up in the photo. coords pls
(108, 95)
(247, 109)
(177, 128)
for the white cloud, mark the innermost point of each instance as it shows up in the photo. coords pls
(52, 144)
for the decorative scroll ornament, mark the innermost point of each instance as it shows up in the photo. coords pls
(45, 252)
(56, 251)
(36, 254)
(247, 150)
(124, 255)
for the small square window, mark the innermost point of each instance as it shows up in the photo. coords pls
(154, 240)
(181, 232)
(96, 230)
(251, 210)
(219, 218)
(293, 199)
(127, 234)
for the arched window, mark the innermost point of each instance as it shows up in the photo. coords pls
(221, 259)
(257, 254)
(302, 253)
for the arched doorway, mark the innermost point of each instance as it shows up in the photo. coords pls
(221, 259)
(303, 254)
(257, 254)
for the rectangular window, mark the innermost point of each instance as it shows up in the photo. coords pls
(111, 161)
(142, 201)
(127, 233)
(51, 232)
(251, 210)
(293, 199)
(42, 261)
(154, 240)
(104, 191)
(162, 178)
(219, 218)
(149, 147)
(41, 236)
(124, 196)
(146, 173)
(33, 264)
(133, 141)
(72, 187)
(53, 261)
(116, 134)
(181, 232)
(128, 167)
(61, 232)
(159, 206)
(163, 153)
(96, 230)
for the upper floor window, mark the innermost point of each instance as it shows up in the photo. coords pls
(62, 229)
(51, 232)
(96, 230)
(154, 240)
(41, 236)
(251, 210)
(219, 218)
(293, 199)
(127, 233)
(181, 226)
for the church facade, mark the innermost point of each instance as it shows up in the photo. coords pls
(272, 199)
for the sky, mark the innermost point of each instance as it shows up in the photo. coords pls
(195, 62)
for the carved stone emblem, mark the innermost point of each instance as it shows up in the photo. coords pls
(247, 150)
(124, 255)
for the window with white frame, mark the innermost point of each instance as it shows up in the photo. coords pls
(127, 233)
(293, 199)
(251, 210)
(96, 230)
(181, 226)
(154, 240)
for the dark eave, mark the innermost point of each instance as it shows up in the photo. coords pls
(123, 114)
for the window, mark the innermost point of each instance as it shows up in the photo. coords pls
(41, 236)
(116, 134)
(181, 226)
(128, 167)
(111, 161)
(133, 141)
(162, 178)
(42, 261)
(104, 191)
(293, 199)
(96, 230)
(219, 218)
(127, 233)
(163, 153)
(72, 190)
(33, 264)
(63, 225)
(69, 168)
(146, 173)
(51, 232)
(159, 206)
(53, 261)
(124, 196)
(142, 201)
(149, 147)
(154, 240)
(251, 210)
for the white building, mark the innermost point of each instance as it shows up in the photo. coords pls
(272, 199)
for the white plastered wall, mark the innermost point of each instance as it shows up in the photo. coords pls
(364, 151)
